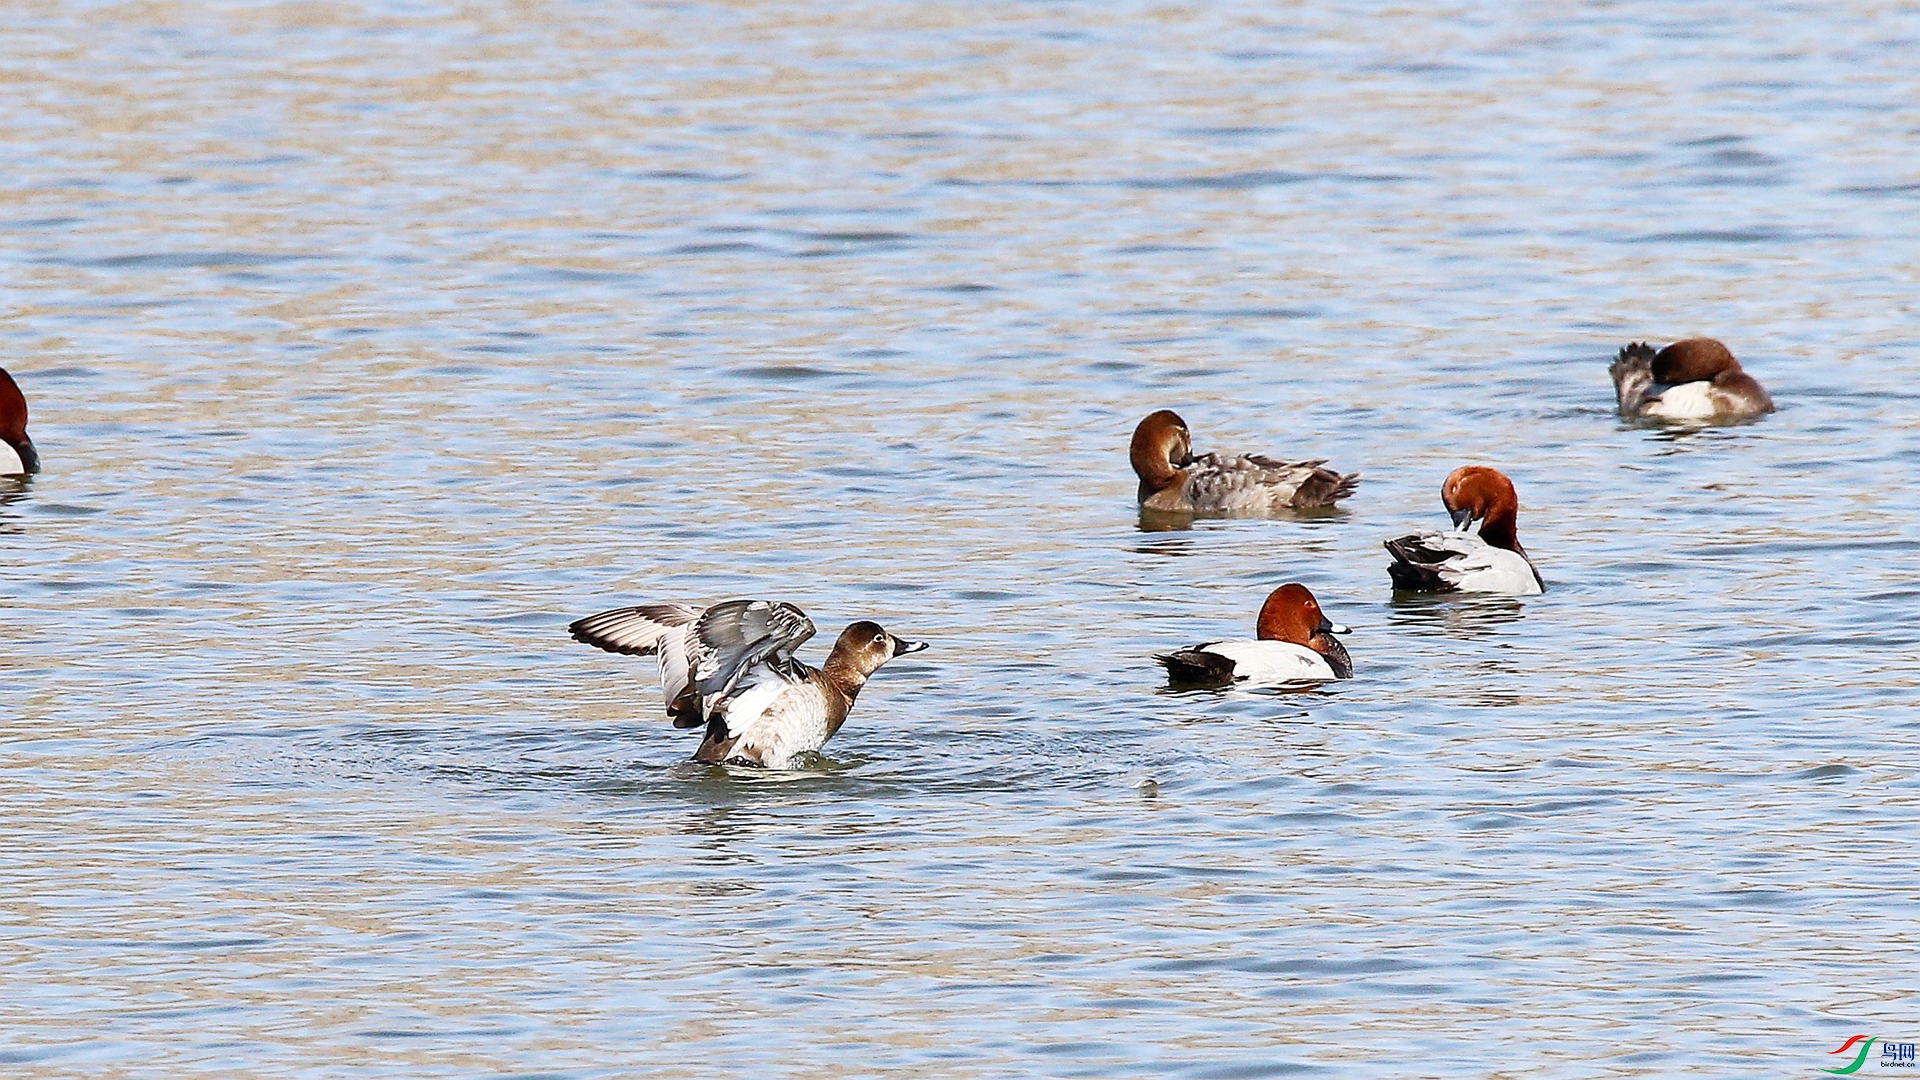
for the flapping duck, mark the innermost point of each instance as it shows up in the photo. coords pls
(731, 669)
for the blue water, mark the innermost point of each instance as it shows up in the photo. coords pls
(368, 346)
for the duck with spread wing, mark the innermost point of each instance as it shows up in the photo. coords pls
(731, 669)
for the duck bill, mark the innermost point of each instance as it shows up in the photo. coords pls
(1462, 519)
(901, 646)
(1328, 626)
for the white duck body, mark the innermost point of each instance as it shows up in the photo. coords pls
(1462, 562)
(1687, 401)
(1271, 663)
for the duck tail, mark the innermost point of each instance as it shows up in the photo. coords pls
(1196, 667)
(1632, 371)
(1324, 487)
(1415, 567)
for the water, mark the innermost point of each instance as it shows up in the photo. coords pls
(368, 345)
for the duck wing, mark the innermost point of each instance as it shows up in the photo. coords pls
(1632, 372)
(1419, 558)
(649, 630)
(1220, 479)
(632, 631)
(731, 638)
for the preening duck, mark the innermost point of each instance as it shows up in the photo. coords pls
(17, 455)
(731, 668)
(1697, 380)
(1293, 643)
(1457, 561)
(1174, 479)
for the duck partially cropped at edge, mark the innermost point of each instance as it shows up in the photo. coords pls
(17, 455)
(1293, 643)
(1697, 379)
(1174, 479)
(730, 667)
(1457, 561)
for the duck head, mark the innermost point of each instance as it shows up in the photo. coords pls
(863, 647)
(1291, 614)
(1695, 360)
(1162, 446)
(1477, 493)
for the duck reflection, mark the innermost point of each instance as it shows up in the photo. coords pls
(1686, 437)
(1463, 614)
(1155, 521)
(13, 489)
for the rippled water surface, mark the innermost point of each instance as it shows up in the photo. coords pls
(369, 344)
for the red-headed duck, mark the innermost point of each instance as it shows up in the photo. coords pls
(17, 454)
(1294, 643)
(1174, 479)
(731, 668)
(1493, 562)
(1697, 379)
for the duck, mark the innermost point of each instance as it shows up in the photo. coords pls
(1696, 379)
(1293, 643)
(730, 668)
(17, 455)
(1457, 561)
(1174, 479)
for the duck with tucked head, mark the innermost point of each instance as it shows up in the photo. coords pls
(1693, 380)
(17, 455)
(1294, 643)
(1174, 479)
(731, 669)
(1457, 561)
